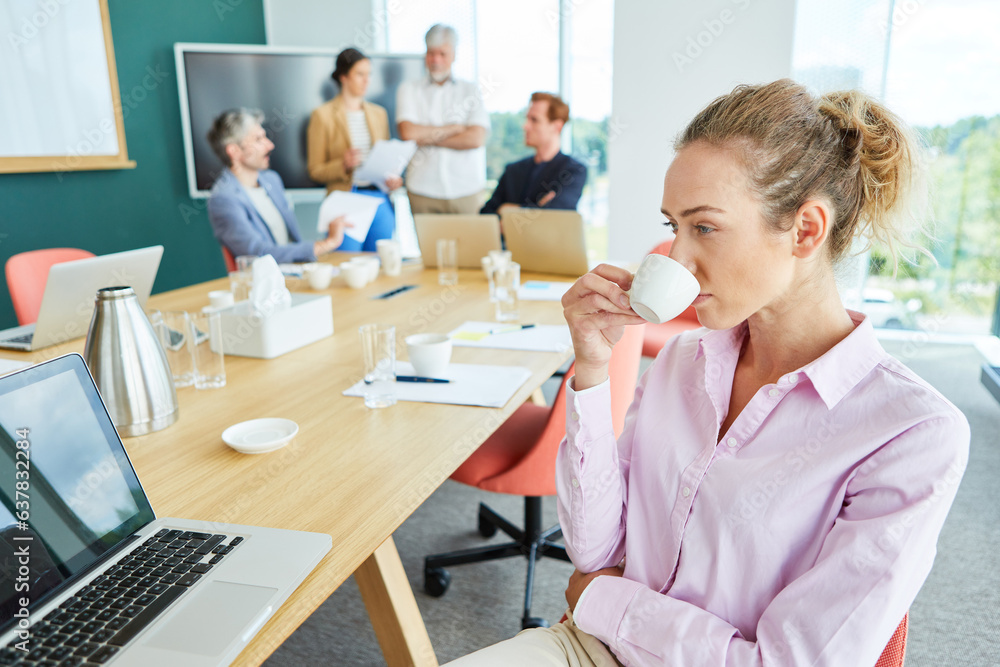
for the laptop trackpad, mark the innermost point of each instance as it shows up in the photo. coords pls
(212, 618)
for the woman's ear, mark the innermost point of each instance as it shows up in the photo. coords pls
(812, 227)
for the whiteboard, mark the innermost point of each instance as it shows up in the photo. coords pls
(60, 109)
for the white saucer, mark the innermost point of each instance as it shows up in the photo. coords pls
(259, 436)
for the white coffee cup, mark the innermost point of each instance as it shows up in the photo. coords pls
(391, 255)
(319, 275)
(661, 289)
(355, 274)
(370, 265)
(220, 298)
(429, 353)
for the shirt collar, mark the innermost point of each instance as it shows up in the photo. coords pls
(721, 341)
(840, 370)
(432, 82)
(833, 375)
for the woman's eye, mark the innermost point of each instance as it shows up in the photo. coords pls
(702, 229)
(671, 225)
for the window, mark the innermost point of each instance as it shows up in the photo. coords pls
(942, 54)
(590, 56)
(928, 59)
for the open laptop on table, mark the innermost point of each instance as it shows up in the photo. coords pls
(544, 241)
(476, 235)
(91, 575)
(68, 300)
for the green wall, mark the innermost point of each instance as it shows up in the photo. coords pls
(110, 211)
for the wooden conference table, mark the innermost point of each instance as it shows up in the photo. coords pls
(351, 472)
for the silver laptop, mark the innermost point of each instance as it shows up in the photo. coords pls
(68, 300)
(476, 235)
(546, 241)
(93, 573)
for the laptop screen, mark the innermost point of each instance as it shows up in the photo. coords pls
(68, 493)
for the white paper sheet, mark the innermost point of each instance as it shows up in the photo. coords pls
(471, 384)
(359, 209)
(537, 290)
(540, 338)
(9, 365)
(385, 157)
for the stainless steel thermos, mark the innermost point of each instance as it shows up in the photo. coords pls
(129, 365)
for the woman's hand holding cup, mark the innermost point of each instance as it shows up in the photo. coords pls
(597, 309)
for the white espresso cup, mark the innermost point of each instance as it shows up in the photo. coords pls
(661, 289)
(355, 274)
(220, 298)
(429, 353)
(370, 264)
(319, 275)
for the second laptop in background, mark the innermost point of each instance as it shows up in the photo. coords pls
(68, 300)
(546, 241)
(476, 236)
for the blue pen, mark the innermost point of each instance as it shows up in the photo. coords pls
(516, 327)
(393, 292)
(417, 378)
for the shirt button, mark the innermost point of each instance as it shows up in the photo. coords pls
(686, 492)
(732, 442)
(773, 393)
(576, 483)
(575, 416)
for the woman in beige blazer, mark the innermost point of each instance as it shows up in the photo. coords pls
(338, 142)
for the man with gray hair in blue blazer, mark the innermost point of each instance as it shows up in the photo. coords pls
(248, 208)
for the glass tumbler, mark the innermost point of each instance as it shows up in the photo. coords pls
(378, 348)
(506, 281)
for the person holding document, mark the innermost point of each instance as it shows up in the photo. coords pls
(342, 133)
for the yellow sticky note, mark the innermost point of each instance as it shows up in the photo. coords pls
(471, 335)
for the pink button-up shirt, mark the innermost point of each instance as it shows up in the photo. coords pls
(800, 537)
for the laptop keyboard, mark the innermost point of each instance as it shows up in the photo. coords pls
(92, 626)
(23, 339)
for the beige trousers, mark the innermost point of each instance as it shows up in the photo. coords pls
(562, 645)
(464, 205)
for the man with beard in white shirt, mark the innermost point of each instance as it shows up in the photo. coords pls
(447, 119)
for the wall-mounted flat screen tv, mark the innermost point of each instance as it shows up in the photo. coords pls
(287, 84)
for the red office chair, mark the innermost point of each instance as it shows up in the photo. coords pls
(228, 257)
(27, 273)
(519, 459)
(657, 335)
(895, 651)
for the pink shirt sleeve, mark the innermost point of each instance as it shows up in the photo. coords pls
(591, 478)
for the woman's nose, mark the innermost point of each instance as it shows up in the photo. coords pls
(678, 254)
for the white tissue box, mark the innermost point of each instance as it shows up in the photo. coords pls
(244, 334)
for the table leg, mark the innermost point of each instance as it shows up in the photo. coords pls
(393, 609)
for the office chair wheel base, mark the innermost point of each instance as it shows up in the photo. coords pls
(486, 528)
(436, 580)
(533, 622)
